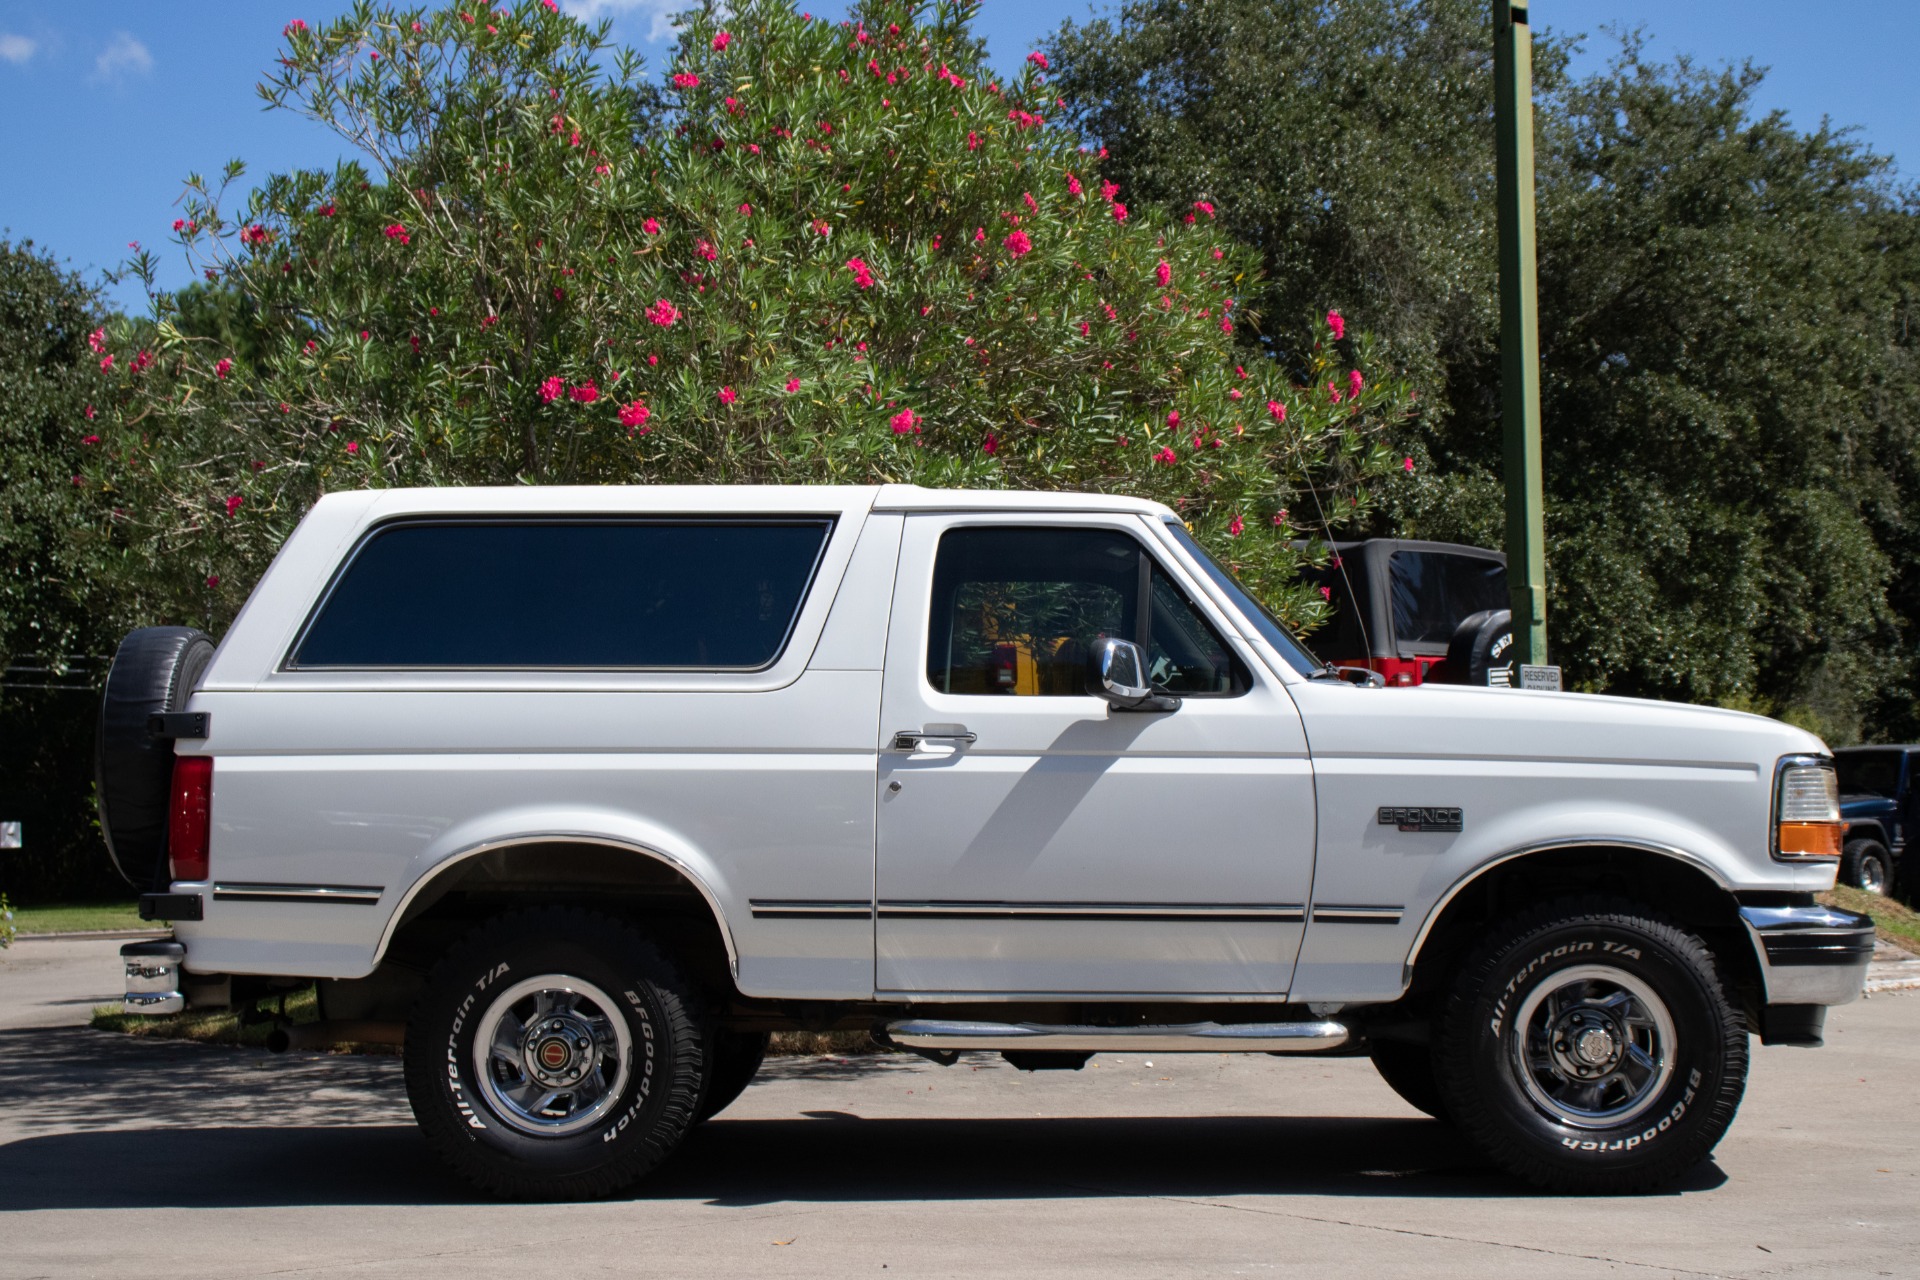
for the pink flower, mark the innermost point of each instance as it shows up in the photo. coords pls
(1407, 466)
(550, 390)
(1354, 383)
(353, 447)
(1108, 190)
(862, 274)
(298, 24)
(1038, 59)
(663, 313)
(635, 415)
(973, 140)
(1203, 207)
(1226, 324)
(1278, 410)
(705, 250)
(233, 504)
(1326, 593)
(651, 226)
(1173, 418)
(213, 579)
(89, 413)
(1086, 330)
(1073, 185)
(1337, 324)
(722, 40)
(1019, 245)
(686, 80)
(746, 210)
(90, 440)
(1280, 518)
(141, 361)
(905, 422)
(991, 445)
(1235, 526)
(979, 234)
(585, 393)
(551, 6)
(793, 385)
(255, 234)
(326, 210)
(1167, 456)
(222, 367)
(1234, 394)
(398, 231)
(1163, 273)
(727, 395)
(1119, 212)
(97, 340)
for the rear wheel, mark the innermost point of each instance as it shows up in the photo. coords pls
(1865, 865)
(1589, 1046)
(556, 1054)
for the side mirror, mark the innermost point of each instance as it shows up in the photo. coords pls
(1117, 671)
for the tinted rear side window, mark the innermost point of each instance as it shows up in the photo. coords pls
(1434, 591)
(1869, 773)
(507, 593)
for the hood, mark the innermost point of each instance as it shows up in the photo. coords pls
(1451, 721)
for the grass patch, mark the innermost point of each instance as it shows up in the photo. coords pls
(1893, 921)
(824, 1044)
(210, 1026)
(81, 917)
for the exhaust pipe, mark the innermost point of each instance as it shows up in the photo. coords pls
(324, 1035)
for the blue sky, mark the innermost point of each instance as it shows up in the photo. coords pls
(107, 105)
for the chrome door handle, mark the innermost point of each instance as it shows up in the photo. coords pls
(910, 739)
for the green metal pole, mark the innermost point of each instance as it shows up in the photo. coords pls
(1519, 328)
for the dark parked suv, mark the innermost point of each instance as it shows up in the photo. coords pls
(1876, 801)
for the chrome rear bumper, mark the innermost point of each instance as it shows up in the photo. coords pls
(153, 977)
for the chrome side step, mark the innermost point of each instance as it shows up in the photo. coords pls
(1191, 1037)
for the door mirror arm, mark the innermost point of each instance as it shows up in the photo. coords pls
(1117, 672)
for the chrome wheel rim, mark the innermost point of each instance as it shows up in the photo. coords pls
(1593, 1046)
(1873, 875)
(551, 1055)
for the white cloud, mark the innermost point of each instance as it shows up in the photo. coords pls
(17, 49)
(658, 12)
(123, 56)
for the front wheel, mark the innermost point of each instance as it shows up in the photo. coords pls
(555, 1055)
(1589, 1047)
(1865, 865)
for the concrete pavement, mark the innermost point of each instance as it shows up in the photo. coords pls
(120, 1156)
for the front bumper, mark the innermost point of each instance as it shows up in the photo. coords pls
(1810, 955)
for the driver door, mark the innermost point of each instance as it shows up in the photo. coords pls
(1030, 840)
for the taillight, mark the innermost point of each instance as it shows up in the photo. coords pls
(191, 798)
(1807, 810)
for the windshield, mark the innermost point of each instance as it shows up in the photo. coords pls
(1271, 629)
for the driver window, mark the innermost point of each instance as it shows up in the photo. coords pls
(1016, 610)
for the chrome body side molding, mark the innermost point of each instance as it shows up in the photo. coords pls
(1191, 1037)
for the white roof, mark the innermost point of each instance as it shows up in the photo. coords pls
(370, 505)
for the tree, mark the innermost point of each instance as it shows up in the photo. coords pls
(1729, 388)
(833, 254)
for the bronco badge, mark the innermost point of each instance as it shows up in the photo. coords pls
(1420, 819)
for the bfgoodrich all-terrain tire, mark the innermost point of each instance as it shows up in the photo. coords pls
(1589, 1046)
(555, 1055)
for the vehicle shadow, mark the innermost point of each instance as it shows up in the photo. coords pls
(224, 1128)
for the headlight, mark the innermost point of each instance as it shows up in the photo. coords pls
(1806, 808)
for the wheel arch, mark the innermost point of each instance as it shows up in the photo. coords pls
(1678, 884)
(609, 873)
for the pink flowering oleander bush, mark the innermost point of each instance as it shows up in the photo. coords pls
(814, 252)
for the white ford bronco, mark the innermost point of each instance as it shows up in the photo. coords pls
(581, 793)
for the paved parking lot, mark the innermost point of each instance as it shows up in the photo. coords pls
(124, 1157)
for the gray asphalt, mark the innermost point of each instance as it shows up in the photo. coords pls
(128, 1157)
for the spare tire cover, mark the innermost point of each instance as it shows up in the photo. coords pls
(155, 670)
(1481, 651)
